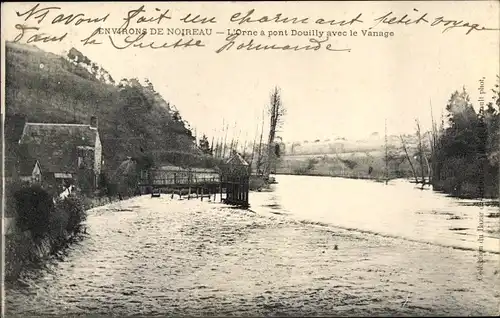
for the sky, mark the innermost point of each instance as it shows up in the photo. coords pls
(326, 94)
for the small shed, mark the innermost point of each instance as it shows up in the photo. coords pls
(235, 176)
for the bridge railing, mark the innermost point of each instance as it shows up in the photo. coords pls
(180, 180)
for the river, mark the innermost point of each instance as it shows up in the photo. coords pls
(399, 209)
(312, 246)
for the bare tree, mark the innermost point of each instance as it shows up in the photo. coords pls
(276, 111)
(253, 146)
(409, 159)
(225, 139)
(420, 152)
(259, 154)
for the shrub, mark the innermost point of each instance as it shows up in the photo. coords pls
(10, 190)
(103, 184)
(34, 206)
(112, 189)
(256, 183)
(20, 251)
(73, 208)
(106, 187)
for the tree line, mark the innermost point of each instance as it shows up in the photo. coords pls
(464, 152)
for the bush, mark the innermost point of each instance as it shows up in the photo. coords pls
(73, 208)
(10, 190)
(20, 251)
(256, 183)
(106, 187)
(34, 207)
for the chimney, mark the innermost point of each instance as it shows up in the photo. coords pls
(93, 122)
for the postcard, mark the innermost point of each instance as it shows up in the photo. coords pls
(279, 158)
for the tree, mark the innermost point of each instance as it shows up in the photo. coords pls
(205, 145)
(276, 111)
(463, 151)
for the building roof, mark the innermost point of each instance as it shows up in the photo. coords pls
(55, 145)
(237, 159)
(19, 167)
(26, 167)
(14, 125)
(180, 169)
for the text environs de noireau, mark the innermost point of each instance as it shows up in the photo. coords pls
(155, 31)
(315, 44)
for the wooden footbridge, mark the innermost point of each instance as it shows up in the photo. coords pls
(230, 182)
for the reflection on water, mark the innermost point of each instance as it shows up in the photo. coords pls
(398, 209)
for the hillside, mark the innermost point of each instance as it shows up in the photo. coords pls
(364, 158)
(133, 118)
(343, 145)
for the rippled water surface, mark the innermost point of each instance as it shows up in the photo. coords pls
(314, 246)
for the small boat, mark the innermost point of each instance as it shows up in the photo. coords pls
(156, 193)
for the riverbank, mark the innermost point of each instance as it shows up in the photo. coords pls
(23, 252)
(345, 176)
(158, 256)
(465, 190)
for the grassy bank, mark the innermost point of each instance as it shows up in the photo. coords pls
(465, 190)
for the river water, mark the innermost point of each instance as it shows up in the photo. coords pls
(312, 246)
(399, 209)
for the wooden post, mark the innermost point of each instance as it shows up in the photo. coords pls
(201, 193)
(220, 188)
(189, 192)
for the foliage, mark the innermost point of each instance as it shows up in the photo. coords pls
(132, 116)
(37, 212)
(276, 111)
(333, 165)
(257, 183)
(41, 225)
(205, 145)
(144, 161)
(465, 148)
(311, 162)
(351, 164)
(72, 207)
(34, 207)
(106, 186)
(10, 190)
(86, 182)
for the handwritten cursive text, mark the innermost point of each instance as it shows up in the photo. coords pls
(247, 18)
(137, 42)
(315, 45)
(39, 14)
(139, 18)
(37, 37)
